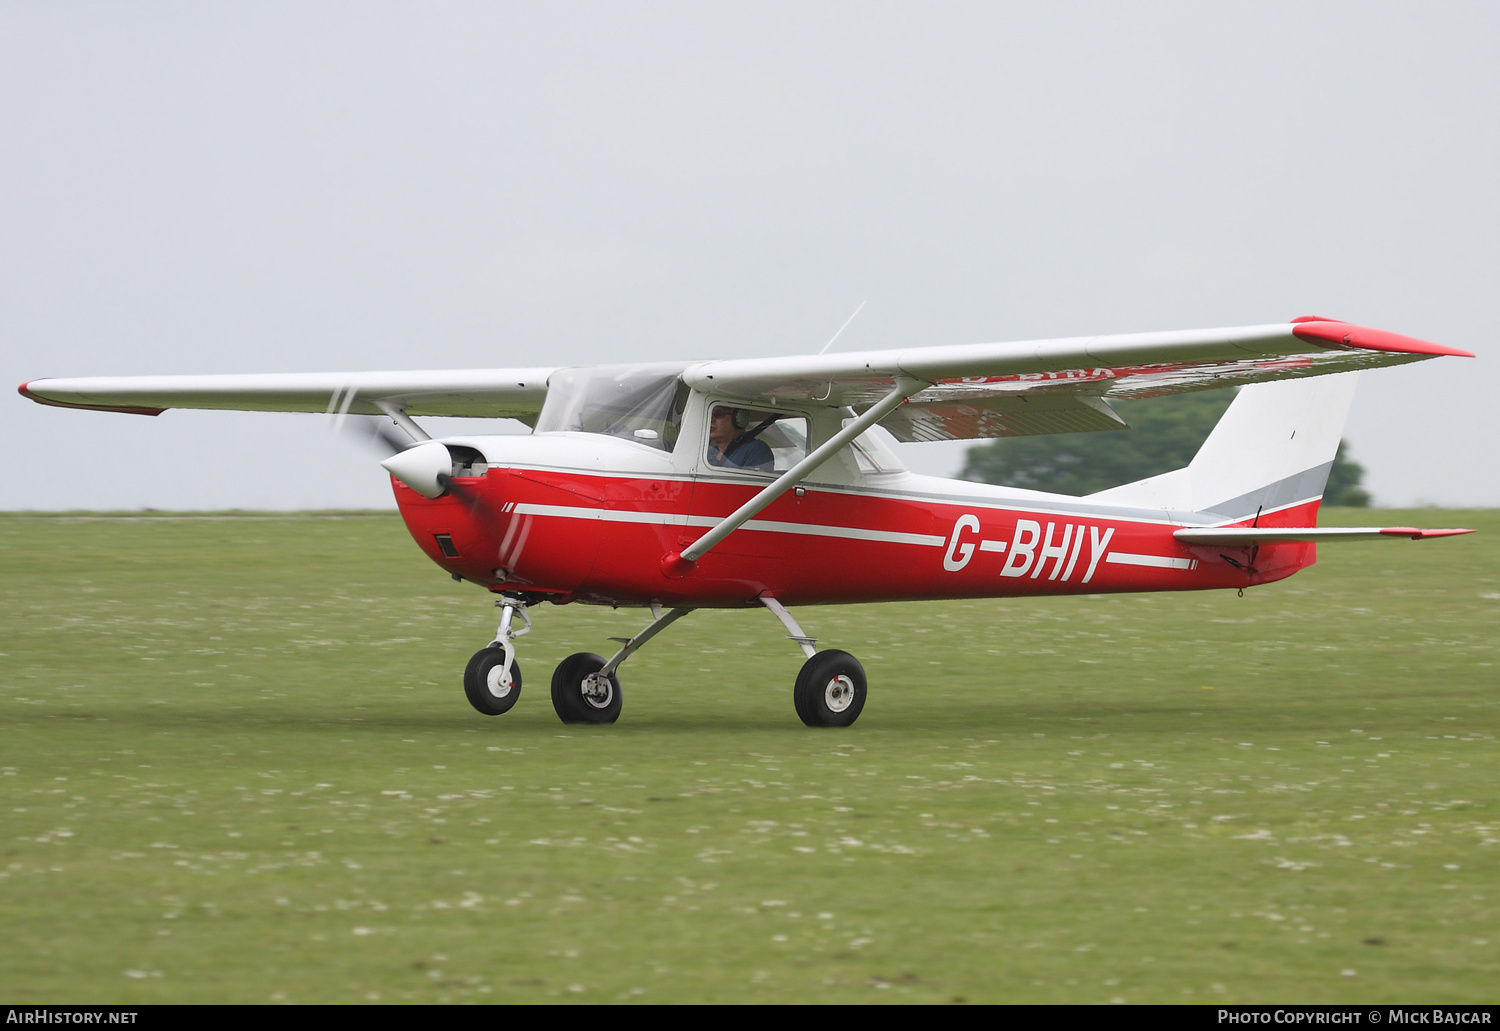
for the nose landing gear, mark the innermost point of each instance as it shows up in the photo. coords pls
(492, 680)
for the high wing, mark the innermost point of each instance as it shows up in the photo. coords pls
(1059, 386)
(498, 393)
(973, 391)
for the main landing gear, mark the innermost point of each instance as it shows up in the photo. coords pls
(830, 689)
(583, 693)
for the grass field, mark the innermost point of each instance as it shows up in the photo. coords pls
(236, 765)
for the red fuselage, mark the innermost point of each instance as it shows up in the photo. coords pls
(602, 538)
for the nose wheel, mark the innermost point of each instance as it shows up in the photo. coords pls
(492, 681)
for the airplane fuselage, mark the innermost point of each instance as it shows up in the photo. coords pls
(546, 517)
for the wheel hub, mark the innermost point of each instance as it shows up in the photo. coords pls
(839, 694)
(499, 681)
(598, 691)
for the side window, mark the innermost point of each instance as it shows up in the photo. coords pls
(870, 456)
(751, 440)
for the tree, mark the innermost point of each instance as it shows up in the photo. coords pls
(1344, 482)
(1165, 433)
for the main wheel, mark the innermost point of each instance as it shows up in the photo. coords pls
(580, 695)
(830, 690)
(489, 688)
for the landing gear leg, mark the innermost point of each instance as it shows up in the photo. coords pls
(492, 680)
(585, 688)
(831, 686)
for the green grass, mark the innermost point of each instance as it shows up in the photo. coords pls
(236, 765)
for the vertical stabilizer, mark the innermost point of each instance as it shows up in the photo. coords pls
(1271, 450)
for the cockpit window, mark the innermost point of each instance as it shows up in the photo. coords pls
(639, 403)
(744, 439)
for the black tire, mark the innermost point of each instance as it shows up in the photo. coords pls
(572, 699)
(483, 684)
(830, 690)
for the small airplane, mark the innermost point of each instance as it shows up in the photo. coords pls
(770, 482)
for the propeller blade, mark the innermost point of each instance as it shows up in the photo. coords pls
(380, 433)
(475, 503)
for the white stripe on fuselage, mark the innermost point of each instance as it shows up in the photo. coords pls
(764, 525)
(1122, 558)
(1033, 503)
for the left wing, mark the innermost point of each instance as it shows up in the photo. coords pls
(1059, 386)
(513, 393)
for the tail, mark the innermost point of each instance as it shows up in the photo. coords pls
(1267, 459)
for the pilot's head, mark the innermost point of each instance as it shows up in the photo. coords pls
(723, 425)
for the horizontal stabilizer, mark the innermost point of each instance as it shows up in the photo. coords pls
(1236, 535)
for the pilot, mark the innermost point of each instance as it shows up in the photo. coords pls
(729, 444)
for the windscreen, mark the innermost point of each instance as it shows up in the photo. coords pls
(643, 403)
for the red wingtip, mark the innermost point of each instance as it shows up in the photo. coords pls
(1326, 333)
(25, 391)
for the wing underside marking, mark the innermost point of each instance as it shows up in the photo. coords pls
(1010, 413)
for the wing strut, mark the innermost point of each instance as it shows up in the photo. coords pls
(397, 413)
(678, 564)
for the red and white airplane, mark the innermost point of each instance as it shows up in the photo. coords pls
(769, 482)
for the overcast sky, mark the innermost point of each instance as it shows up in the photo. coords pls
(303, 187)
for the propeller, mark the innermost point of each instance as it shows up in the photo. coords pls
(424, 466)
(427, 468)
(462, 493)
(379, 432)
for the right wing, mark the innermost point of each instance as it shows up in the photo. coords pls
(1057, 386)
